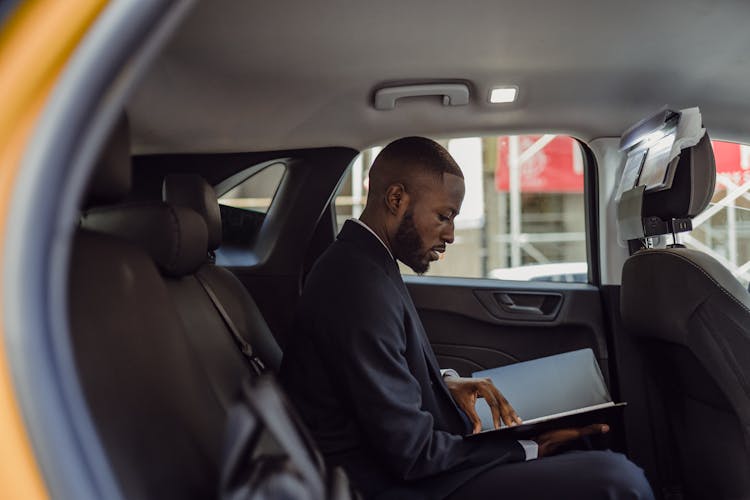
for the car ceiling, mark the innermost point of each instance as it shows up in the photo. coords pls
(251, 76)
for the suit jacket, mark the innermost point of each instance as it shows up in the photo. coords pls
(361, 371)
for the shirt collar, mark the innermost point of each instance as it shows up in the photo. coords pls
(374, 234)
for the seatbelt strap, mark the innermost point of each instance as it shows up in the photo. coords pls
(247, 351)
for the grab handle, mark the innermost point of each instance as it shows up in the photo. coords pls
(454, 94)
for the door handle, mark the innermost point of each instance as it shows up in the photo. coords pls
(509, 304)
(521, 305)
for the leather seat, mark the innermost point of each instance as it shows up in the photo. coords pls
(692, 318)
(175, 239)
(160, 368)
(192, 191)
(153, 407)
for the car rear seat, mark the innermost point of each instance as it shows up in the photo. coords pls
(210, 301)
(158, 364)
(192, 191)
(175, 239)
(154, 409)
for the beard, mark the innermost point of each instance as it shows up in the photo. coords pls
(409, 245)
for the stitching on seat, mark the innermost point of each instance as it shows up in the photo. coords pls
(696, 266)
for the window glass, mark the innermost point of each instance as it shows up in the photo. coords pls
(243, 210)
(523, 214)
(723, 229)
(257, 191)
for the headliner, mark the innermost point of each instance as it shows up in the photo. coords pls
(251, 76)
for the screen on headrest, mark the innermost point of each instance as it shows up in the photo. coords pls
(648, 166)
(654, 174)
(631, 171)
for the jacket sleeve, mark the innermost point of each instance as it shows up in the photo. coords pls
(366, 337)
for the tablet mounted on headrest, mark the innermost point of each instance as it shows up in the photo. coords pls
(668, 178)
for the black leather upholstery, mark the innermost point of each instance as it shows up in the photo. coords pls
(154, 410)
(157, 363)
(666, 288)
(190, 190)
(157, 384)
(175, 237)
(194, 192)
(692, 318)
(244, 312)
(111, 179)
(692, 187)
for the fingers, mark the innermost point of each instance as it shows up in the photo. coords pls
(593, 429)
(510, 417)
(495, 409)
(476, 422)
(484, 390)
(508, 414)
(570, 434)
(465, 396)
(465, 393)
(501, 409)
(551, 440)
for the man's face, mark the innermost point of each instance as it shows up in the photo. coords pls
(427, 225)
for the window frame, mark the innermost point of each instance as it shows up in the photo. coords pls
(590, 207)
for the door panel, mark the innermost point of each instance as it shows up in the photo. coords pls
(474, 324)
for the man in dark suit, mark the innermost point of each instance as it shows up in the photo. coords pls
(361, 371)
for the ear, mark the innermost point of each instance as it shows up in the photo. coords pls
(396, 199)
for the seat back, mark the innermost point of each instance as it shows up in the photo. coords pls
(175, 239)
(154, 411)
(160, 371)
(192, 191)
(692, 319)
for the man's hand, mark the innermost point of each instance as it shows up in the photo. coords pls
(550, 441)
(465, 392)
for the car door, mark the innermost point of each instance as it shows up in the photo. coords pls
(475, 324)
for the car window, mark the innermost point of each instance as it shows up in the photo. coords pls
(256, 192)
(523, 213)
(243, 210)
(723, 229)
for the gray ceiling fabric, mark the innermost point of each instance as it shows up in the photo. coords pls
(250, 76)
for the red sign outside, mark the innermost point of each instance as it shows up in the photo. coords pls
(556, 168)
(729, 163)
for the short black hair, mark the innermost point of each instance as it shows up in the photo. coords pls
(407, 157)
(426, 153)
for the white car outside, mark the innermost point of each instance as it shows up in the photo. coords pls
(565, 272)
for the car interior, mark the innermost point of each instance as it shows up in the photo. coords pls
(181, 287)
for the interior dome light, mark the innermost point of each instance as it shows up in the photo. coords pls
(503, 94)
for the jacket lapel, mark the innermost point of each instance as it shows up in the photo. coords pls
(351, 231)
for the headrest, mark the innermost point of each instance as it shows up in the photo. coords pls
(174, 237)
(192, 191)
(692, 187)
(112, 175)
(668, 176)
